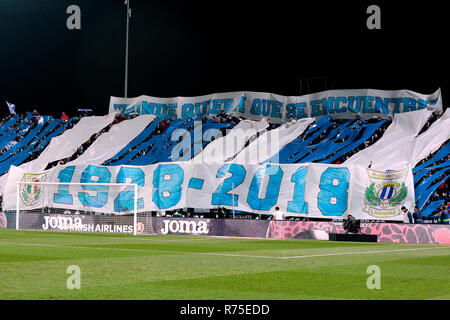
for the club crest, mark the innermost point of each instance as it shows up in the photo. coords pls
(31, 193)
(386, 194)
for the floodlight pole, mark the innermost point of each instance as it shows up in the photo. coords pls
(127, 3)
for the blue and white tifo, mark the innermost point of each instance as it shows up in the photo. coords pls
(327, 166)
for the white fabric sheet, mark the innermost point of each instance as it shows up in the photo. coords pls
(392, 152)
(271, 142)
(224, 148)
(110, 143)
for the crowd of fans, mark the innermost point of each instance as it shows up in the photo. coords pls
(434, 116)
(355, 126)
(374, 138)
(19, 133)
(225, 118)
(442, 192)
(34, 121)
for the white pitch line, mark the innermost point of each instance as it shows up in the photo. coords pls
(138, 238)
(138, 250)
(223, 254)
(358, 252)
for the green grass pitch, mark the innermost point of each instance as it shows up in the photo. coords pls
(33, 265)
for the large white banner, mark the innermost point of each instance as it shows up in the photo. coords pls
(401, 145)
(308, 190)
(368, 103)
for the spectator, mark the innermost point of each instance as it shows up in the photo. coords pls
(435, 196)
(278, 215)
(445, 216)
(374, 138)
(441, 187)
(35, 117)
(410, 216)
(222, 117)
(338, 160)
(163, 126)
(161, 213)
(417, 215)
(64, 117)
(445, 197)
(11, 144)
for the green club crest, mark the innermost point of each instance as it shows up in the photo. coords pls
(30, 194)
(386, 193)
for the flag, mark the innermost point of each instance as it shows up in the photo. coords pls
(11, 107)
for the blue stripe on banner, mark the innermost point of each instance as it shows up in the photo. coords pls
(383, 192)
(390, 193)
(195, 183)
(431, 207)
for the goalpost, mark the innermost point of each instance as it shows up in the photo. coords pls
(81, 207)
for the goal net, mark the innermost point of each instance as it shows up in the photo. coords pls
(81, 207)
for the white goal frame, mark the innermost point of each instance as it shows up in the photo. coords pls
(134, 185)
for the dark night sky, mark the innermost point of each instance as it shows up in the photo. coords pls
(189, 48)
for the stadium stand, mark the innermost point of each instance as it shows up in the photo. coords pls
(147, 140)
(32, 149)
